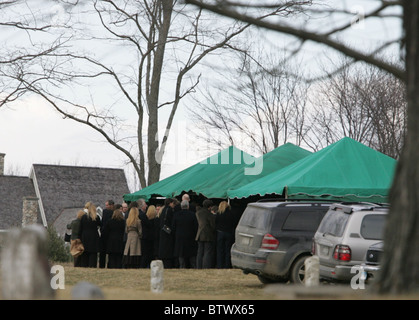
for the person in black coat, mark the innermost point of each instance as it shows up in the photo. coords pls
(89, 235)
(166, 240)
(113, 236)
(225, 225)
(106, 216)
(206, 236)
(147, 244)
(184, 228)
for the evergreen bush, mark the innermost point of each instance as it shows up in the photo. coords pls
(58, 251)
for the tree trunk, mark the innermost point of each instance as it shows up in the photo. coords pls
(400, 271)
(154, 162)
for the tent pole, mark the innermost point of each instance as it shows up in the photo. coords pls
(286, 192)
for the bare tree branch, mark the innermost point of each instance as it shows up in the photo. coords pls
(304, 35)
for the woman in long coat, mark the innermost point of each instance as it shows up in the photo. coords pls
(113, 235)
(166, 240)
(89, 235)
(132, 251)
(225, 223)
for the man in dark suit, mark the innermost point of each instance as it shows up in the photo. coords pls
(185, 227)
(106, 216)
(205, 236)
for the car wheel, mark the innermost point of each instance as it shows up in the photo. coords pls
(297, 272)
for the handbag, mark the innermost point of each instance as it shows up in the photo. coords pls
(76, 248)
(67, 237)
(166, 228)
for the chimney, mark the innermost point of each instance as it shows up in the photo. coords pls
(2, 155)
(30, 211)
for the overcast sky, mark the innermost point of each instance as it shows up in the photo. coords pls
(32, 132)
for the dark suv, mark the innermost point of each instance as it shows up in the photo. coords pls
(273, 239)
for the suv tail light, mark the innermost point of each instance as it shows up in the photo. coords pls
(342, 253)
(269, 242)
(313, 248)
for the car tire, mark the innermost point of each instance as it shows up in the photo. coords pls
(297, 272)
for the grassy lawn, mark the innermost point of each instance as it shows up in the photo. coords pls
(193, 284)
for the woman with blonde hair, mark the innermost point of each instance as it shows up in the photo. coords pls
(90, 209)
(89, 236)
(148, 222)
(132, 251)
(225, 225)
(151, 212)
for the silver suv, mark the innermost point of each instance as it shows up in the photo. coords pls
(344, 236)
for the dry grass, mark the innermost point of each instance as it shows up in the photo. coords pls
(206, 284)
(128, 284)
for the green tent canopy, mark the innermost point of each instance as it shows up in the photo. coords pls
(346, 170)
(187, 180)
(276, 159)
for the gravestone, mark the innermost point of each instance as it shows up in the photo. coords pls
(312, 275)
(156, 281)
(25, 267)
(86, 291)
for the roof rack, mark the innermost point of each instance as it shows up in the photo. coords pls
(347, 207)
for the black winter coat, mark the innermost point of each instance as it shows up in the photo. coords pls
(166, 241)
(89, 234)
(226, 221)
(147, 226)
(185, 226)
(113, 236)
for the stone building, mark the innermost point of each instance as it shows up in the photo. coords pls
(52, 194)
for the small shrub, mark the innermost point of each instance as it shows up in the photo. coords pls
(57, 249)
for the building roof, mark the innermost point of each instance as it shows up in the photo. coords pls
(64, 187)
(60, 189)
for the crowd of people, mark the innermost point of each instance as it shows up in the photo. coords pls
(180, 233)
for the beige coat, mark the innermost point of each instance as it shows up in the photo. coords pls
(133, 245)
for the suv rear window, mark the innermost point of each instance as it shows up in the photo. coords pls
(334, 223)
(372, 226)
(256, 217)
(302, 220)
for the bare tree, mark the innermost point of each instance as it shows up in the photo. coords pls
(259, 105)
(361, 102)
(160, 44)
(21, 27)
(398, 274)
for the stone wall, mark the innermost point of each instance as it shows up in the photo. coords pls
(30, 211)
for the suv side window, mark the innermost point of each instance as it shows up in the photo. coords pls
(372, 227)
(334, 223)
(302, 220)
(254, 217)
